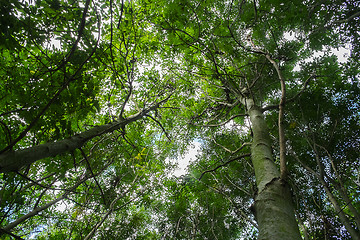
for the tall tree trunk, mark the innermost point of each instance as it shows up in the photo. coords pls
(273, 207)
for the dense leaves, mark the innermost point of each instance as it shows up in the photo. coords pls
(158, 76)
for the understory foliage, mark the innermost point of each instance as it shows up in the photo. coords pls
(99, 100)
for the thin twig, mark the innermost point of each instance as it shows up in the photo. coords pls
(228, 150)
(223, 123)
(92, 174)
(307, 81)
(166, 134)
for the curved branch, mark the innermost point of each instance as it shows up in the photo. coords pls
(80, 33)
(34, 182)
(237, 209)
(302, 89)
(306, 83)
(92, 174)
(36, 210)
(228, 150)
(166, 134)
(283, 168)
(343, 218)
(112, 208)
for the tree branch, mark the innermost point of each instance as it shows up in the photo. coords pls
(302, 89)
(238, 210)
(223, 123)
(3, 231)
(35, 211)
(224, 164)
(271, 107)
(34, 182)
(15, 160)
(112, 208)
(228, 150)
(283, 168)
(92, 174)
(166, 134)
(52, 100)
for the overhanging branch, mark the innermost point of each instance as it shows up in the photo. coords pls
(15, 160)
(56, 95)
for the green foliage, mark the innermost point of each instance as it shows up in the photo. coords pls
(67, 66)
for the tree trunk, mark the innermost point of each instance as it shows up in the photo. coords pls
(273, 207)
(339, 211)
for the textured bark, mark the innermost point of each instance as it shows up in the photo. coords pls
(15, 160)
(273, 206)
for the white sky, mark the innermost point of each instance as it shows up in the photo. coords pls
(342, 53)
(187, 158)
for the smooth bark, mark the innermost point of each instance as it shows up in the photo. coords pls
(282, 145)
(273, 207)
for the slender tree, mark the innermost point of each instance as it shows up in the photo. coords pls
(237, 56)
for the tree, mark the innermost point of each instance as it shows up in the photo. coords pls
(57, 128)
(239, 60)
(93, 123)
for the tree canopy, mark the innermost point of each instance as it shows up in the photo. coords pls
(99, 101)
